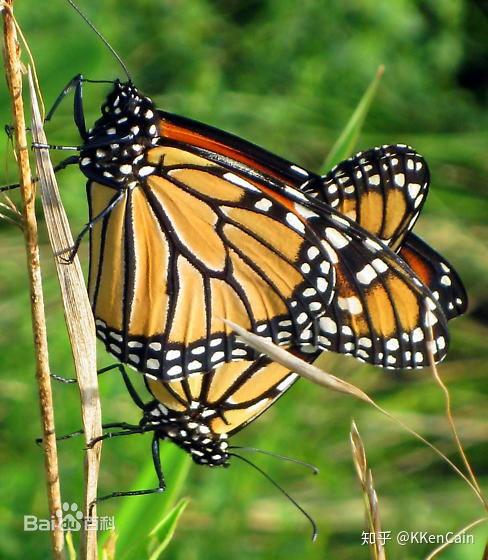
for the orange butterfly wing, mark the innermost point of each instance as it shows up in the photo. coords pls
(191, 246)
(378, 312)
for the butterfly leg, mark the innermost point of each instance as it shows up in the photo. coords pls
(127, 430)
(75, 83)
(159, 472)
(61, 165)
(74, 249)
(128, 383)
(123, 425)
(130, 387)
(106, 141)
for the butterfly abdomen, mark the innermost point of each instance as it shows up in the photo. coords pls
(193, 435)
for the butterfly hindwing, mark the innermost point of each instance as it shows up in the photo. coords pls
(382, 189)
(436, 273)
(381, 312)
(228, 397)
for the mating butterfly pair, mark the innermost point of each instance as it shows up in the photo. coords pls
(190, 226)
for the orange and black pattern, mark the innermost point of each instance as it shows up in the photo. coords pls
(200, 412)
(389, 208)
(382, 190)
(206, 227)
(189, 244)
(390, 212)
(190, 248)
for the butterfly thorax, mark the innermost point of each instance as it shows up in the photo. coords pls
(115, 149)
(191, 432)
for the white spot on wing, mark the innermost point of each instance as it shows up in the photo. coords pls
(295, 222)
(399, 179)
(379, 265)
(366, 275)
(174, 370)
(392, 344)
(351, 304)
(445, 280)
(328, 325)
(233, 178)
(263, 204)
(146, 170)
(336, 238)
(312, 253)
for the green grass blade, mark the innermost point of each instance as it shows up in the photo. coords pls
(70, 546)
(138, 513)
(344, 145)
(167, 528)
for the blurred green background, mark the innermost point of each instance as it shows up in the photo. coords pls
(287, 76)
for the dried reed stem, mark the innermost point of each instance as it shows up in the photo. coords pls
(369, 493)
(443, 546)
(13, 67)
(450, 419)
(79, 320)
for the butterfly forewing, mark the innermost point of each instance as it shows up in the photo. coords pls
(381, 312)
(191, 246)
(436, 273)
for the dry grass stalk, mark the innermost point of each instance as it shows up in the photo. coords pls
(280, 355)
(450, 418)
(440, 548)
(13, 67)
(329, 381)
(78, 316)
(12, 215)
(109, 548)
(370, 497)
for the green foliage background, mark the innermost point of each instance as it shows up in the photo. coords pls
(287, 76)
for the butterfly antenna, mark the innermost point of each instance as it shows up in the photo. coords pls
(313, 468)
(283, 491)
(102, 38)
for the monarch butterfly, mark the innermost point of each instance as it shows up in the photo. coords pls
(190, 225)
(201, 411)
(323, 238)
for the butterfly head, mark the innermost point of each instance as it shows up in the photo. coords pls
(123, 100)
(191, 431)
